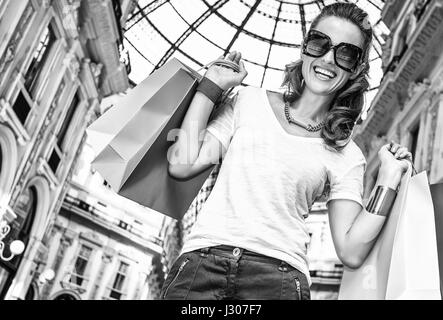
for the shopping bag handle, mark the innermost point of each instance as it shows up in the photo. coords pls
(414, 171)
(221, 62)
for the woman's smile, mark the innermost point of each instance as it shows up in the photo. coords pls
(324, 74)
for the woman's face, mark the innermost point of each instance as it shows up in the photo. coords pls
(339, 30)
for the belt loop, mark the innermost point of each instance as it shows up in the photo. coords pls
(237, 253)
(204, 251)
(283, 266)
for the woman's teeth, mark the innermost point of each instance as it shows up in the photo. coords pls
(324, 74)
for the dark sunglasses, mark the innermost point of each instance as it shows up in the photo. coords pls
(346, 55)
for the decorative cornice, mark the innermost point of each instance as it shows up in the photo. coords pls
(11, 48)
(413, 63)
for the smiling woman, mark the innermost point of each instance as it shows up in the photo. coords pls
(250, 239)
(335, 51)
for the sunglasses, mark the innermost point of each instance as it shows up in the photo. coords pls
(346, 55)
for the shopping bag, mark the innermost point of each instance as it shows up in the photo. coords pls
(437, 200)
(413, 273)
(369, 282)
(403, 263)
(131, 141)
(125, 132)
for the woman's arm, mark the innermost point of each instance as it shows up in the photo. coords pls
(195, 149)
(354, 230)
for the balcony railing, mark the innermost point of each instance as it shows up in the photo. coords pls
(106, 218)
(420, 9)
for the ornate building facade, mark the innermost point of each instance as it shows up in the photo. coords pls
(101, 246)
(408, 107)
(58, 59)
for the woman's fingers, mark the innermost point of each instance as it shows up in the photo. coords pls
(231, 55)
(393, 147)
(237, 58)
(401, 150)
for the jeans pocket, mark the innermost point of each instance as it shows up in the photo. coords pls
(301, 285)
(298, 292)
(174, 275)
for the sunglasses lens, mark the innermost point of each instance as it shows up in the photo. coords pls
(317, 46)
(347, 56)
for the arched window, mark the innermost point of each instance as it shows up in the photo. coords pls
(1, 160)
(32, 293)
(25, 210)
(65, 296)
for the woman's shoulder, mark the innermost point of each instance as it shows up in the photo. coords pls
(247, 89)
(353, 152)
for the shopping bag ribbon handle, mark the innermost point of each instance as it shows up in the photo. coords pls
(222, 62)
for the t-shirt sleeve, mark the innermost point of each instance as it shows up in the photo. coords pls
(348, 183)
(222, 122)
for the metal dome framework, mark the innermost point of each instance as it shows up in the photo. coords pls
(267, 32)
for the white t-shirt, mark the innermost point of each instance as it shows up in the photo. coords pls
(268, 181)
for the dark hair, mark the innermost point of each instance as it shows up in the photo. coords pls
(349, 100)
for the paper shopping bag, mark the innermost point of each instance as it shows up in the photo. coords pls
(102, 131)
(369, 281)
(403, 261)
(124, 133)
(413, 272)
(132, 140)
(437, 200)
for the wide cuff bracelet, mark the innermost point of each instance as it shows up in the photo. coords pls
(210, 89)
(382, 201)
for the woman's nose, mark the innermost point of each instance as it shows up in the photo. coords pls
(329, 57)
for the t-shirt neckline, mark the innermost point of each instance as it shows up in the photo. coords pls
(278, 124)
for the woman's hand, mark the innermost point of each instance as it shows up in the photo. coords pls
(225, 77)
(394, 162)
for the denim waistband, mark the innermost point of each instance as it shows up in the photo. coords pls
(237, 253)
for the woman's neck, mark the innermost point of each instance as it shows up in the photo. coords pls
(311, 106)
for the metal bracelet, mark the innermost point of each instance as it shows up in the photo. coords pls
(381, 201)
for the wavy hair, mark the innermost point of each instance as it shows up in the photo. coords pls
(348, 102)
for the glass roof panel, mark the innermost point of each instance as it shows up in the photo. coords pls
(190, 10)
(172, 31)
(252, 49)
(255, 74)
(261, 25)
(288, 33)
(281, 56)
(204, 52)
(267, 32)
(234, 11)
(217, 30)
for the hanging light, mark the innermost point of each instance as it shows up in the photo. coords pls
(16, 247)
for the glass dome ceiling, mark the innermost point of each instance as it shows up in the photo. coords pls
(267, 32)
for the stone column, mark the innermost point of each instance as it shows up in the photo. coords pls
(65, 242)
(437, 152)
(107, 257)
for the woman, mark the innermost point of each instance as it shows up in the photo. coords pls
(281, 153)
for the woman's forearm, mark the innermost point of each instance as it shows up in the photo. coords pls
(186, 148)
(366, 227)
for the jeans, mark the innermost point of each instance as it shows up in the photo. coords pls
(225, 272)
